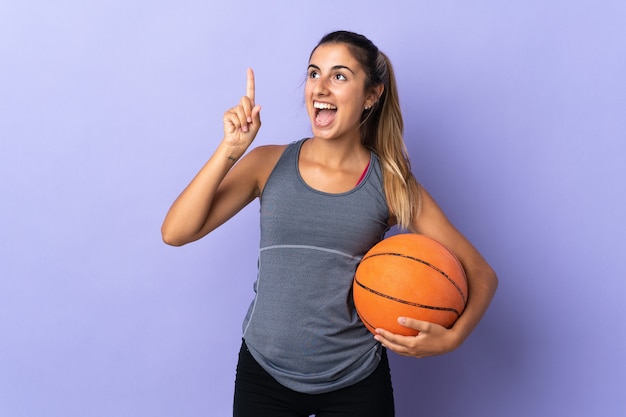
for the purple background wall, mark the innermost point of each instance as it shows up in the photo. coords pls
(515, 121)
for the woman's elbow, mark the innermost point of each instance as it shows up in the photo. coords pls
(170, 237)
(491, 279)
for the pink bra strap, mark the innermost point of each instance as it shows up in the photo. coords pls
(363, 174)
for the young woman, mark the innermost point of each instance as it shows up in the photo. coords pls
(325, 201)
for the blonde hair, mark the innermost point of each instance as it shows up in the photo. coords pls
(382, 127)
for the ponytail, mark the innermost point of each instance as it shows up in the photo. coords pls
(401, 187)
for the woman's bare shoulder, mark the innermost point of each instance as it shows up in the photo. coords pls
(265, 151)
(262, 160)
(265, 156)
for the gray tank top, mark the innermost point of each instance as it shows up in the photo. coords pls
(302, 327)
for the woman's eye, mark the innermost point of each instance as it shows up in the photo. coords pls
(313, 74)
(340, 77)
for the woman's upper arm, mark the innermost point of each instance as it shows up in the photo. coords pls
(243, 183)
(431, 221)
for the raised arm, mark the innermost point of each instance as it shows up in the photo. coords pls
(219, 190)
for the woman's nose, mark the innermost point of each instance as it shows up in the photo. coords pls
(321, 87)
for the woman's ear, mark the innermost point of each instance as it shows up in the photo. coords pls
(374, 95)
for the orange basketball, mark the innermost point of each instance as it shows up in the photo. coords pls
(409, 275)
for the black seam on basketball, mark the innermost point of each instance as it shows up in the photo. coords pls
(410, 303)
(401, 255)
(367, 323)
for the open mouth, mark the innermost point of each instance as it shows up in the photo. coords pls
(324, 113)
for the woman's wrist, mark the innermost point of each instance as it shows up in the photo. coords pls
(230, 153)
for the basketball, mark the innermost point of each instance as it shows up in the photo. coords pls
(409, 275)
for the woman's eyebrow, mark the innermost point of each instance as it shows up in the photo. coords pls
(334, 68)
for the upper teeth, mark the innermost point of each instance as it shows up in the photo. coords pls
(324, 106)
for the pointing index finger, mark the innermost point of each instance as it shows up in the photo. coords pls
(250, 85)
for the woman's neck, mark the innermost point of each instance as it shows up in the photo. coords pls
(335, 153)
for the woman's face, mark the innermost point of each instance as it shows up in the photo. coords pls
(335, 92)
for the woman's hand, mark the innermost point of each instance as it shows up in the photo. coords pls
(242, 122)
(431, 340)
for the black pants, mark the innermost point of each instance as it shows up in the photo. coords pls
(258, 394)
